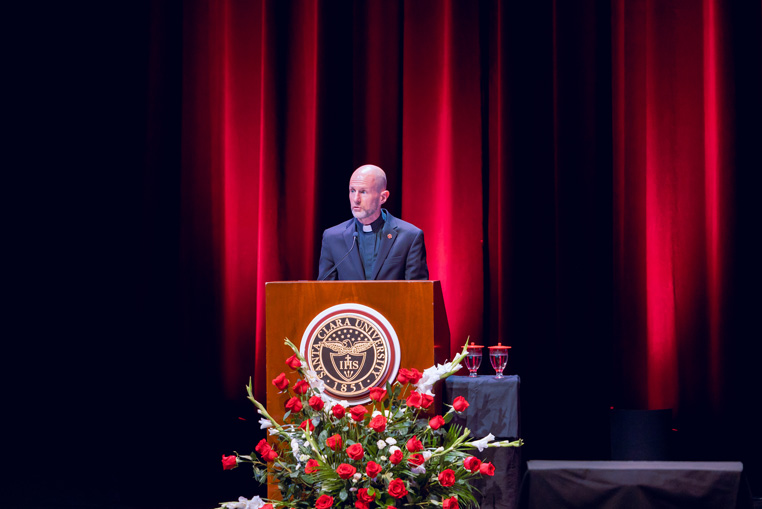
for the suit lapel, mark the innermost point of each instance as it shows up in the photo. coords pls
(388, 236)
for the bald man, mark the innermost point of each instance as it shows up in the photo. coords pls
(374, 245)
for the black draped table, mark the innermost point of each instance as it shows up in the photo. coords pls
(494, 408)
(641, 484)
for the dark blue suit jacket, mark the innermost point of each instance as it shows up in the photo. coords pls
(402, 254)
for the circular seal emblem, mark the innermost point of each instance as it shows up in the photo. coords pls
(352, 348)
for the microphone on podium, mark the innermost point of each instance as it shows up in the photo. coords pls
(354, 241)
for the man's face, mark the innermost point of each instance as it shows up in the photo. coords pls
(365, 197)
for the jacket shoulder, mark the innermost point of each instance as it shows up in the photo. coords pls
(339, 229)
(401, 225)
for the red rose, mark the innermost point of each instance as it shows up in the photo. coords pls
(372, 469)
(293, 362)
(358, 412)
(378, 423)
(397, 488)
(377, 393)
(446, 478)
(338, 411)
(345, 471)
(334, 442)
(436, 422)
(311, 467)
(306, 423)
(267, 506)
(363, 495)
(324, 502)
(396, 457)
(294, 404)
(316, 403)
(262, 446)
(460, 404)
(414, 400)
(472, 464)
(269, 455)
(301, 387)
(229, 462)
(414, 444)
(426, 400)
(281, 382)
(411, 376)
(487, 469)
(450, 503)
(416, 459)
(359, 504)
(355, 452)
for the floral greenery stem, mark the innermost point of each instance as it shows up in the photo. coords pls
(506, 443)
(262, 409)
(456, 361)
(295, 349)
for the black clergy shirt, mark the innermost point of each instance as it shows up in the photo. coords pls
(370, 242)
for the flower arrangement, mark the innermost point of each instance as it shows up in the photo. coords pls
(328, 453)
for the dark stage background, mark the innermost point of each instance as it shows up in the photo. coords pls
(587, 175)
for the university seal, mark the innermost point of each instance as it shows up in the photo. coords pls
(352, 348)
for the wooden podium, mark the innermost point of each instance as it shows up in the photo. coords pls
(415, 309)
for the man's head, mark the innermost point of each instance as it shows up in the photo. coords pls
(367, 192)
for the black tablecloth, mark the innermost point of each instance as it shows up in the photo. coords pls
(494, 408)
(616, 484)
(494, 404)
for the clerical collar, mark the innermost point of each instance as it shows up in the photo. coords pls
(375, 225)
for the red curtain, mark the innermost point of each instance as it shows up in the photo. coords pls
(673, 172)
(579, 172)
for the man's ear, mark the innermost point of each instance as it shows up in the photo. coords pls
(384, 196)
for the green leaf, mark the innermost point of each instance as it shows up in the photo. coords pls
(343, 495)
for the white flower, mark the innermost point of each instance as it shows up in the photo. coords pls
(304, 458)
(426, 455)
(393, 449)
(375, 413)
(330, 402)
(382, 458)
(243, 503)
(381, 444)
(295, 447)
(273, 431)
(255, 503)
(432, 375)
(481, 444)
(439, 449)
(356, 477)
(420, 469)
(313, 380)
(391, 441)
(265, 423)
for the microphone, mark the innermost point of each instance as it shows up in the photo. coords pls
(354, 241)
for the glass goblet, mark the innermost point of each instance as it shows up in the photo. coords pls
(498, 357)
(473, 359)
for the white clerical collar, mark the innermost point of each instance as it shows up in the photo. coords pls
(367, 228)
